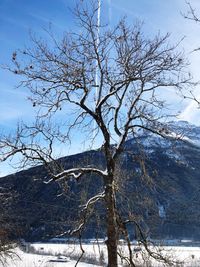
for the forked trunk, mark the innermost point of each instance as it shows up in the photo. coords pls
(111, 225)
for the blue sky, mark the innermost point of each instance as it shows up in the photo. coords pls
(19, 17)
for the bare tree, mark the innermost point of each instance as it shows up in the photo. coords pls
(191, 13)
(132, 71)
(8, 228)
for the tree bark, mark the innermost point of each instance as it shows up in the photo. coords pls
(111, 224)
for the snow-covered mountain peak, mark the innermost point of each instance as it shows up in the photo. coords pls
(179, 132)
(186, 129)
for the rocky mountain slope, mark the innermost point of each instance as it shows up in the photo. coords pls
(158, 181)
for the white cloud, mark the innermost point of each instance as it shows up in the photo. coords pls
(191, 113)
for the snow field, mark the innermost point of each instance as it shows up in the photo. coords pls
(37, 260)
(57, 255)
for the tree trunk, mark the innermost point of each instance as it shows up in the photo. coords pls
(111, 224)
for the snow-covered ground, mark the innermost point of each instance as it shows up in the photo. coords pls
(36, 260)
(57, 255)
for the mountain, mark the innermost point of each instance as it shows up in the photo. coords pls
(158, 181)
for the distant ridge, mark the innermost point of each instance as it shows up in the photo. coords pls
(169, 202)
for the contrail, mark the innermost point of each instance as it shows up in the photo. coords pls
(109, 12)
(99, 14)
(97, 44)
(97, 87)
